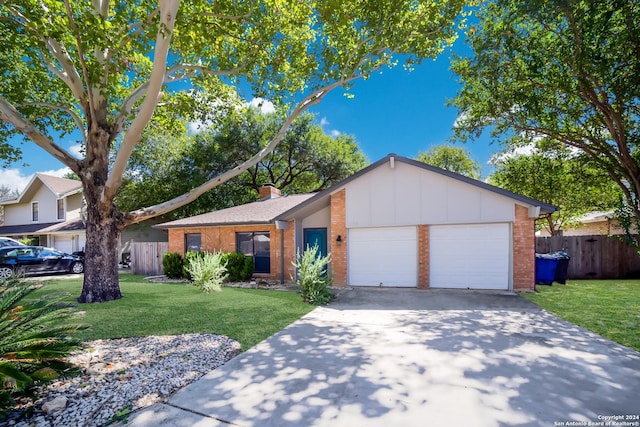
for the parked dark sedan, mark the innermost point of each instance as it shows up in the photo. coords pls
(36, 260)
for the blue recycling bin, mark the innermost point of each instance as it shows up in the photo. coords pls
(552, 267)
(545, 269)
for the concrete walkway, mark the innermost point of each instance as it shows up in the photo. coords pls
(415, 358)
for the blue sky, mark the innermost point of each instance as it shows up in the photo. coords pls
(395, 111)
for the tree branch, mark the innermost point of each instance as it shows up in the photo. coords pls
(85, 70)
(78, 121)
(162, 208)
(141, 90)
(168, 11)
(9, 114)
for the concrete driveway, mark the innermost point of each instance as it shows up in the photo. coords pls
(416, 358)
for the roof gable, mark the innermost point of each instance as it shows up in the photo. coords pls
(322, 197)
(60, 187)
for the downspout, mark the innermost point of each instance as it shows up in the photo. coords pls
(282, 225)
(282, 257)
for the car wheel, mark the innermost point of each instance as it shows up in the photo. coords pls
(77, 267)
(6, 272)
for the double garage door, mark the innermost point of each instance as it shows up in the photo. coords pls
(472, 256)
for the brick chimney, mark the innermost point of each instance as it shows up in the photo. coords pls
(268, 191)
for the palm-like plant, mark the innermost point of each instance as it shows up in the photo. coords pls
(34, 337)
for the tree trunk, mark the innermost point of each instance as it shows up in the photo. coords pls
(103, 226)
(101, 256)
(101, 259)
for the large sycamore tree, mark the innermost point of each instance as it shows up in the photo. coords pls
(108, 69)
(566, 71)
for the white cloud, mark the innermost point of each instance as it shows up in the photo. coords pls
(264, 105)
(15, 179)
(524, 150)
(334, 133)
(199, 126)
(77, 150)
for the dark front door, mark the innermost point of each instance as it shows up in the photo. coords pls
(316, 236)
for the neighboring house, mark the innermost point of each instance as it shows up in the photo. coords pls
(47, 210)
(396, 223)
(591, 224)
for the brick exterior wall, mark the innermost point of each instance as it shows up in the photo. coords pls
(338, 228)
(224, 238)
(524, 251)
(423, 256)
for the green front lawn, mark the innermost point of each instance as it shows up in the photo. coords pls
(246, 315)
(610, 308)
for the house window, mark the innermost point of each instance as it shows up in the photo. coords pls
(192, 242)
(34, 211)
(60, 208)
(258, 246)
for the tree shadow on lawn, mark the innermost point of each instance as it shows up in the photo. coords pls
(501, 366)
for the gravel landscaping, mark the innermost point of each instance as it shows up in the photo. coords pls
(123, 375)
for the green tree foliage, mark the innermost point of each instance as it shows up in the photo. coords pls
(35, 336)
(306, 160)
(567, 71)
(7, 193)
(113, 72)
(569, 181)
(453, 159)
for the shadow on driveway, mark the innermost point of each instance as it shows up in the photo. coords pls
(416, 358)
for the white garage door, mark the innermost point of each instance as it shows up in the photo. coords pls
(63, 243)
(383, 257)
(469, 256)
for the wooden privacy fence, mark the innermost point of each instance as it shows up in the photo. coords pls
(594, 257)
(146, 257)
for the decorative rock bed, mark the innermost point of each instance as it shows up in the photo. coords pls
(125, 374)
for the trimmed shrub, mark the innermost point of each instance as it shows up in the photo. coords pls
(172, 263)
(208, 271)
(34, 338)
(189, 257)
(239, 266)
(312, 276)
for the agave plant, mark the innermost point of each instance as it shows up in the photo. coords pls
(35, 336)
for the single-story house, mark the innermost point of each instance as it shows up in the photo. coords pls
(596, 223)
(396, 223)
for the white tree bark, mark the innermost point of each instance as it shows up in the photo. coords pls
(168, 11)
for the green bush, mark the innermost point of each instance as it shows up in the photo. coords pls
(172, 263)
(208, 271)
(312, 276)
(34, 338)
(239, 266)
(189, 257)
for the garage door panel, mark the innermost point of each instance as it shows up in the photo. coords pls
(383, 256)
(63, 243)
(474, 256)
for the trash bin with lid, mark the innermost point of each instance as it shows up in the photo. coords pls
(546, 265)
(561, 267)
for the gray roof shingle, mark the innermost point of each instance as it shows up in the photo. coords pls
(60, 186)
(261, 212)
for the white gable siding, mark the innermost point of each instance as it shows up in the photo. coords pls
(73, 206)
(407, 195)
(320, 219)
(18, 214)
